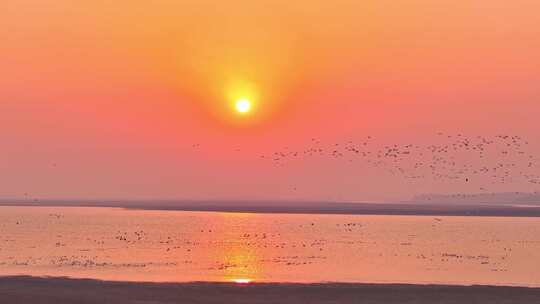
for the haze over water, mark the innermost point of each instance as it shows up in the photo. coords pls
(177, 246)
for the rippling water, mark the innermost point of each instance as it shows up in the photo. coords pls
(117, 244)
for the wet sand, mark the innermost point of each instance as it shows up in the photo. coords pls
(31, 290)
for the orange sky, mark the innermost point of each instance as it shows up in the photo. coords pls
(106, 99)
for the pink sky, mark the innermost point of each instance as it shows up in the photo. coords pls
(105, 100)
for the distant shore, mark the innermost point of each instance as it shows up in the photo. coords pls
(23, 290)
(405, 208)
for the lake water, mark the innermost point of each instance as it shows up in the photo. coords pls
(134, 245)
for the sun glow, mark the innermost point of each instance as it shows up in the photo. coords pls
(243, 105)
(242, 281)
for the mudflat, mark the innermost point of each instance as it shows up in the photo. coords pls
(32, 290)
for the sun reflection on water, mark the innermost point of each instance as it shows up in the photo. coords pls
(238, 258)
(242, 281)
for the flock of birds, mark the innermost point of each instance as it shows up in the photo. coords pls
(483, 160)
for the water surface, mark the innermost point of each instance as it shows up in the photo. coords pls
(179, 246)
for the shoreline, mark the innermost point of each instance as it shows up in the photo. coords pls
(27, 289)
(282, 207)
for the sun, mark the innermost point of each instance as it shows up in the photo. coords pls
(243, 105)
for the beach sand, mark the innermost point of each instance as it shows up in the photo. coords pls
(22, 290)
